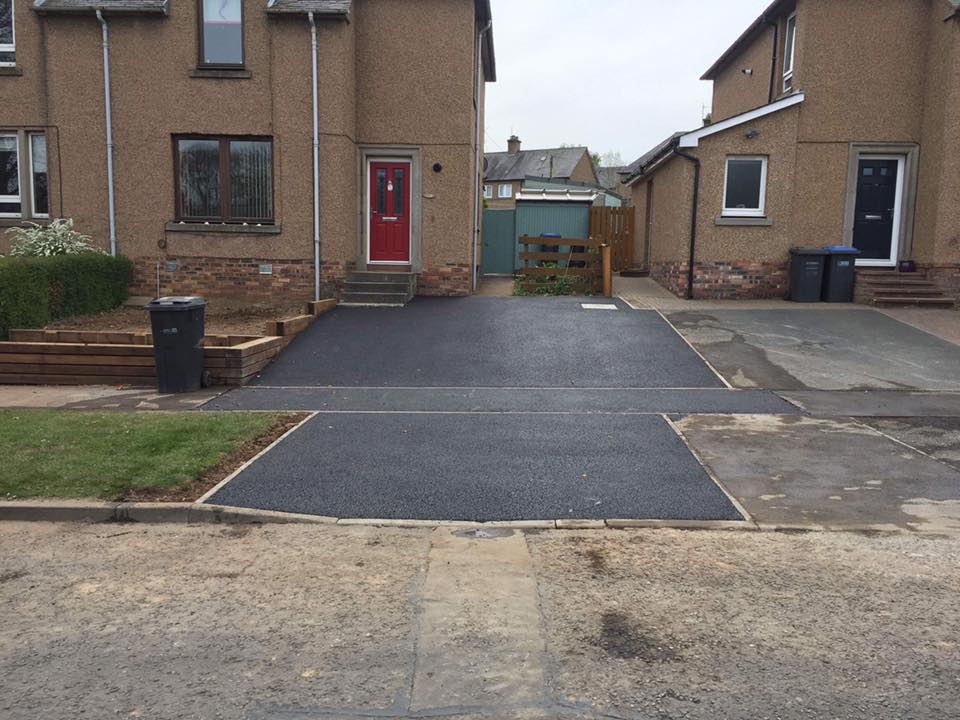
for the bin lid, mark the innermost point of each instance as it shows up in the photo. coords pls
(807, 251)
(841, 250)
(176, 302)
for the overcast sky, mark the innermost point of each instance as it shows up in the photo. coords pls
(615, 75)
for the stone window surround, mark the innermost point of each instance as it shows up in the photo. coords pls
(911, 151)
(25, 171)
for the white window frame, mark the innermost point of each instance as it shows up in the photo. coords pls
(488, 192)
(14, 198)
(509, 191)
(11, 47)
(33, 185)
(746, 212)
(791, 38)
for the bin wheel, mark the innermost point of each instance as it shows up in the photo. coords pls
(206, 379)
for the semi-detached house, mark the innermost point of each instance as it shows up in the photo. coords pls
(181, 134)
(834, 122)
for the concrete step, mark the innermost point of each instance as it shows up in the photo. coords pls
(635, 272)
(892, 300)
(375, 298)
(381, 276)
(907, 290)
(352, 286)
(878, 281)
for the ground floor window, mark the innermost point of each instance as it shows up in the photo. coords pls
(745, 186)
(15, 177)
(506, 191)
(224, 179)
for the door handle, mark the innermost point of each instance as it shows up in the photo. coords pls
(873, 217)
(389, 219)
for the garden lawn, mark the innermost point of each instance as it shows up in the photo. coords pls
(71, 454)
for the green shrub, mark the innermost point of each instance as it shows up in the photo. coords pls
(37, 290)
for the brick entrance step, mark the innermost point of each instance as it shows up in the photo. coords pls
(890, 288)
(372, 288)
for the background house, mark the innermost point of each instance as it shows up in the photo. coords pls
(507, 172)
(832, 124)
(212, 137)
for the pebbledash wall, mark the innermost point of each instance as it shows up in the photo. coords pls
(396, 75)
(859, 94)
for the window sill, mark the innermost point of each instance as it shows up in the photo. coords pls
(221, 73)
(11, 70)
(8, 222)
(744, 221)
(226, 229)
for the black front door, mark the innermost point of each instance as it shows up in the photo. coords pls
(876, 208)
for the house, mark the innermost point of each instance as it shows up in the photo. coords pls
(833, 123)
(611, 179)
(506, 173)
(251, 147)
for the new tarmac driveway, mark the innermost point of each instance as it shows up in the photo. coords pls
(489, 409)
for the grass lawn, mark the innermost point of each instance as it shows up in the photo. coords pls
(67, 454)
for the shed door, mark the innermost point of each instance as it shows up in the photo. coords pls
(390, 212)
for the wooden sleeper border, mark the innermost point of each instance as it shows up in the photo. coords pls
(80, 357)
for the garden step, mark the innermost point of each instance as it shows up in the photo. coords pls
(887, 300)
(377, 287)
(375, 298)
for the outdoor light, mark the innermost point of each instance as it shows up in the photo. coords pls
(752, 133)
(747, 71)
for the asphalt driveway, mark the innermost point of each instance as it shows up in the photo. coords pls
(491, 342)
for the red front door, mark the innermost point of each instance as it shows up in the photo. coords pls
(390, 212)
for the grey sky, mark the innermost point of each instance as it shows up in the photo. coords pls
(616, 75)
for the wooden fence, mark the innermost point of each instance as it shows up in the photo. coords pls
(578, 260)
(615, 227)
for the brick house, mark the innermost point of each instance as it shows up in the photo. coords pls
(507, 172)
(832, 123)
(211, 115)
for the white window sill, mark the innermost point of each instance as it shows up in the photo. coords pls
(744, 220)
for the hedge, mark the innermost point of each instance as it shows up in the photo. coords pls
(37, 290)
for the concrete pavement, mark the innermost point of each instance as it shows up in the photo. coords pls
(309, 622)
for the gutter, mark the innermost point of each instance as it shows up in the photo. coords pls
(316, 157)
(477, 179)
(108, 112)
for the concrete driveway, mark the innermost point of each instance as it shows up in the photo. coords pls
(856, 349)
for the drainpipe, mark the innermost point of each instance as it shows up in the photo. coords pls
(108, 111)
(316, 159)
(773, 62)
(478, 181)
(693, 219)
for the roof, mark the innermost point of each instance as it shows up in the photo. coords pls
(691, 139)
(749, 35)
(609, 177)
(125, 6)
(317, 7)
(549, 163)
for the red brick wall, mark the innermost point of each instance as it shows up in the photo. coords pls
(738, 280)
(449, 280)
(291, 279)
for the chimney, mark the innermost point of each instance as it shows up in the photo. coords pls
(513, 145)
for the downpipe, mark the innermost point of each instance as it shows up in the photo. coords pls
(316, 158)
(478, 180)
(108, 111)
(693, 219)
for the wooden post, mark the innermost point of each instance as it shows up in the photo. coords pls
(607, 271)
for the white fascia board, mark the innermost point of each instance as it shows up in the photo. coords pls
(692, 140)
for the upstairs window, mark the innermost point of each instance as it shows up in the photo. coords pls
(506, 192)
(745, 187)
(7, 45)
(221, 179)
(221, 33)
(789, 52)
